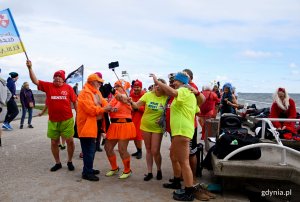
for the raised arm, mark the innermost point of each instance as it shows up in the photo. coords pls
(31, 73)
(167, 89)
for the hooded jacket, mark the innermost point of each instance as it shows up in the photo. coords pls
(87, 111)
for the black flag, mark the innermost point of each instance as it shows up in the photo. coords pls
(75, 76)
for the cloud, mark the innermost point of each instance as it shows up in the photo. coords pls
(293, 65)
(259, 54)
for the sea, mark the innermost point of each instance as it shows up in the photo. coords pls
(263, 100)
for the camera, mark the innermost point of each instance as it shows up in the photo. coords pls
(113, 65)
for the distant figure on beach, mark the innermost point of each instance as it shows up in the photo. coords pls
(59, 97)
(75, 88)
(228, 100)
(12, 108)
(5, 95)
(91, 106)
(28, 103)
(283, 107)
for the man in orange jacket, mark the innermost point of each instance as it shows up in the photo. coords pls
(91, 106)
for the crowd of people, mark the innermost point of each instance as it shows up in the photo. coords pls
(137, 115)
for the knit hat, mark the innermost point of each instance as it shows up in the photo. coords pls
(95, 77)
(13, 74)
(138, 83)
(61, 74)
(99, 74)
(183, 78)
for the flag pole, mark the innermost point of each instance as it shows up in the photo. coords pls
(82, 76)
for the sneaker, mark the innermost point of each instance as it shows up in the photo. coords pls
(9, 126)
(148, 177)
(21, 126)
(173, 185)
(183, 197)
(135, 154)
(159, 175)
(96, 172)
(139, 155)
(112, 172)
(56, 167)
(90, 177)
(125, 175)
(70, 166)
(30, 126)
(5, 126)
(98, 148)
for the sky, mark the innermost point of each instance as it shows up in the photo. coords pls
(254, 44)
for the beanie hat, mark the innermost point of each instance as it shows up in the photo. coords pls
(99, 74)
(13, 74)
(183, 78)
(138, 83)
(61, 74)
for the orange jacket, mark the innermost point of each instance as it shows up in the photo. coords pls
(87, 111)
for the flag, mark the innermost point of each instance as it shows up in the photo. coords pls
(10, 42)
(75, 76)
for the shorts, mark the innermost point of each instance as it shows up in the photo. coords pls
(62, 128)
(193, 144)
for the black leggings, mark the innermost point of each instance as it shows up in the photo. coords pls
(12, 111)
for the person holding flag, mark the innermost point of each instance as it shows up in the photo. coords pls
(61, 123)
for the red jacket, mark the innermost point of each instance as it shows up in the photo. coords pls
(291, 113)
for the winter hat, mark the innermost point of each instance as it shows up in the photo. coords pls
(13, 74)
(99, 74)
(182, 77)
(61, 74)
(138, 83)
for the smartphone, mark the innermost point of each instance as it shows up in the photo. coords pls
(113, 65)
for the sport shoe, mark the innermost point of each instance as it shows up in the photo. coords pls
(21, 126)
(148, 177)
(125, 175)
(90, 177)
(30, 126)
(56, 167)
(112, 172)
(183, 197)
(5, 126)
(9, 126)
(70, 166)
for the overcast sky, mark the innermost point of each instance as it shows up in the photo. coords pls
(254, 44)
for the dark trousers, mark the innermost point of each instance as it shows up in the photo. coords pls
(12, 111)
(88, 147)
(24, 110)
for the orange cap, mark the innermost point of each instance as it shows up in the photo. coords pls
(94, 77)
